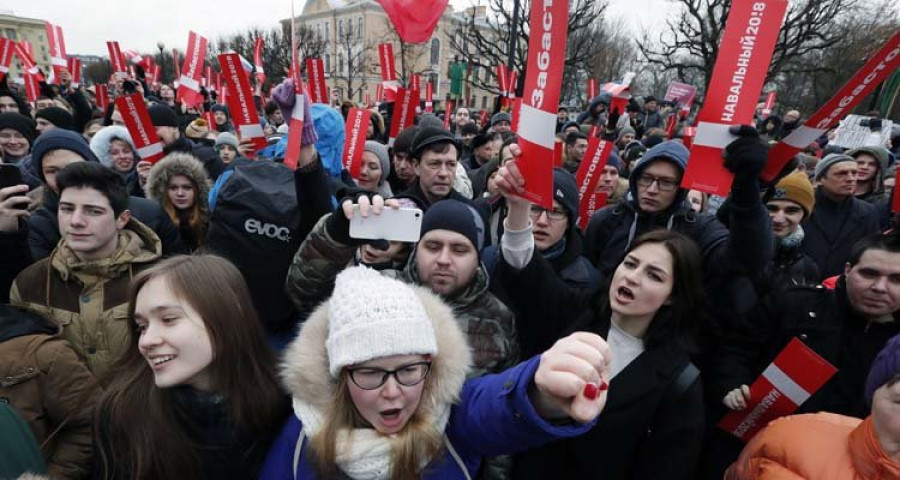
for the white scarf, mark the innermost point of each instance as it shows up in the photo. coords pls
(363, 454)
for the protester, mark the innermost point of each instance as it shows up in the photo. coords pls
(82, 285)
(825, 445)
(871, 163)
(460, 118)
(650, 118)
(576, 146)
(17, 135)
(180, 185)
(227, 147)
(839, 219)
(166, 124)
(403, 175)
(194, 394)
(374, 374)
(483, 149)
(373, 169)
(115, 149)
(500, 122)
(49, 118)
(222, 118)
(435, 155)
(50, 387)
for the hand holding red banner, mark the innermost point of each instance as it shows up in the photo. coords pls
(240, 100)
(192, 71)
(140, 127)
(7, 47)
(257, 60)
(588, 175)
(57, 47)
(315, 76)
(357, 123)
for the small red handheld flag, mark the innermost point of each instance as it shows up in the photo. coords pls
(357, 123)
(240, 100)
(192, 71)
(140, 127)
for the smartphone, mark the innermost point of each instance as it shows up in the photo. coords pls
(10, 175)
(396, 225)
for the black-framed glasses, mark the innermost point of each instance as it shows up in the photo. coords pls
(664, 184)
(370, 378)
(537, 210)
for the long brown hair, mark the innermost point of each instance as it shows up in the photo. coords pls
(137, 424)
(417, 444)
(196, 218)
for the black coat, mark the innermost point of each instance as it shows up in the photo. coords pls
(44, 234)
(825, 321)
(649, 428)
(14, 259)
(833, 228)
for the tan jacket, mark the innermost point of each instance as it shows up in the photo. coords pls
(89, 300)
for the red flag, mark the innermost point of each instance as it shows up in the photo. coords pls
(74, 66)
(192, 69)
(315, 76)
(102, 94)
(880, 65)
(23, 51)
(7, 47)
(738, 76)
(57, 49)
(484, 117)
(770, 102)
(210, 118)
(537, 117)
(240, 100)
(32, 89)
(429, 97)
(116, 59)
(297, 119)
(257, 59)
(140, 127)
(511, 86)
(404, 112)
(379, 92)
(515, 110)
(357, 124)
(502, 79)
(794, 376)
(386, 62)
(414, 20)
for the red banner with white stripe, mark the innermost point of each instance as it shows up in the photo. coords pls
(881, 64)
(357, 124)
(140, 127)
(687, 136)
(415, 82)
(7, 47)
(192, 71)
(32, 88)
(297, 118)
(429, 97)
(315, 76)
(515, 107)
(117, 60)
(589, 173)
(57, 49)
(502, 79)
(591, 89)
(745, 52)
(240, 100)
(258, 61)
(73, 64)
(769, 103)
(511, 86)
(386, 62)
(404, 112)
(795, 375)
(101, 91)
(24, 52)
(537, 115)
(448, 112)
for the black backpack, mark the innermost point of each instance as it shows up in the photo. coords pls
(254, 225)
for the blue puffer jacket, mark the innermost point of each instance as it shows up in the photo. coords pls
(490, 415)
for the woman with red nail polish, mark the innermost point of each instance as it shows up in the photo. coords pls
(652, 426)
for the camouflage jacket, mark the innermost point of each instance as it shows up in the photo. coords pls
(488, 323)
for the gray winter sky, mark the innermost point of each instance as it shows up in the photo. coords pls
(139, 24)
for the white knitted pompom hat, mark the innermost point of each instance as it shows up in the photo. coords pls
(372, 316)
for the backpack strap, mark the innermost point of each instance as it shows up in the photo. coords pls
(457, 458)
(301, 437)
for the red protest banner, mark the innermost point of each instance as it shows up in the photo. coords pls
(357, 123)
(484, 118)
(379, 92)
(404, 112)
(117, 60)
(558, 153)
(502, 79)
(315, 76)
(589, 206)
(687, 135)
(32, 89)
(191, 71)
(140, 127)
(511, 86)
(448, 112)
(386, 62)
(415, 82)
(6, 52)
(429, 97)
(240, 100)
(23, 51)
(257, 60)
(102, 94)
(57, 49)
(295, 122)
(881, 64)
(73, 64)
(210, 118)
(682, 94)
(515, 109)
(591, 89)
(537, 116)
(794, 376)
(738, 76)
(895, 202)
(588, 174)
(770, 102)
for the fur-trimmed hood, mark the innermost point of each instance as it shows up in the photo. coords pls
(101, 140)
(305, 373)
(179, 163)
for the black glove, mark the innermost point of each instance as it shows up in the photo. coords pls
(746, 156)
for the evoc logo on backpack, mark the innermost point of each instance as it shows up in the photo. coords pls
(270, 230)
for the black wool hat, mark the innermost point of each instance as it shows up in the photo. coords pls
(59, 139)
(57, 116)
(455, 216)
(430, 136)
(19, 123)
(163, 116)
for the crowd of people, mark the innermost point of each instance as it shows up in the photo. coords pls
(210, 315)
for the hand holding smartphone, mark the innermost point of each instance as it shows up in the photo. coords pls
(396, 225)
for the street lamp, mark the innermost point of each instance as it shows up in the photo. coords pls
(162, 66)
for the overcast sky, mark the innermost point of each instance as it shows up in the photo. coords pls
(139, 24)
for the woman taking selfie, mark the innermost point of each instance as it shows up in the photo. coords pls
(653, 423)
(378, 374)
(181, 185)
(196, 394)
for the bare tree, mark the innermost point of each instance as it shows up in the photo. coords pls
(351, 50)
(603, 51)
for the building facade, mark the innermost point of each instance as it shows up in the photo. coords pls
(351, 32)
(29, 29)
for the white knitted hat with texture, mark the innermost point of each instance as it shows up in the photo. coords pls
(372, 316)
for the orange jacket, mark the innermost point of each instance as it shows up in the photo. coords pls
(821, 446)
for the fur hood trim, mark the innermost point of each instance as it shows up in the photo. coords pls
(306, 376)
(101, 140)
(179, 163)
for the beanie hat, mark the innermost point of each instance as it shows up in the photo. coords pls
(500, 117)
(381, 152)
(634, 151)
(566, 193)
(796, 188)
(163, 116)
(59, 139)
(430, 136)
(227, 138)
(430, 120)
(199, 128)
(455, 216)
(885, 367)
(881, 154)
(614, 160)
(19, 123)
(372, 316)
(623, 132)
(404, 140)
(57, 116)
(829, 161)
(220, 108)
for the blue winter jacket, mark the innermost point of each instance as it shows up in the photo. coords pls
(494, 416)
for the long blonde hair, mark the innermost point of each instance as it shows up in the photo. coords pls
(416, 445)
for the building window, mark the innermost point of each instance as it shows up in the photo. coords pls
(11, 34)
(435, 51)
(327, 62)
(340, 29)
(340, 64)
(349, 28)
(484, 102)
(327, 31)
(359, 32)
